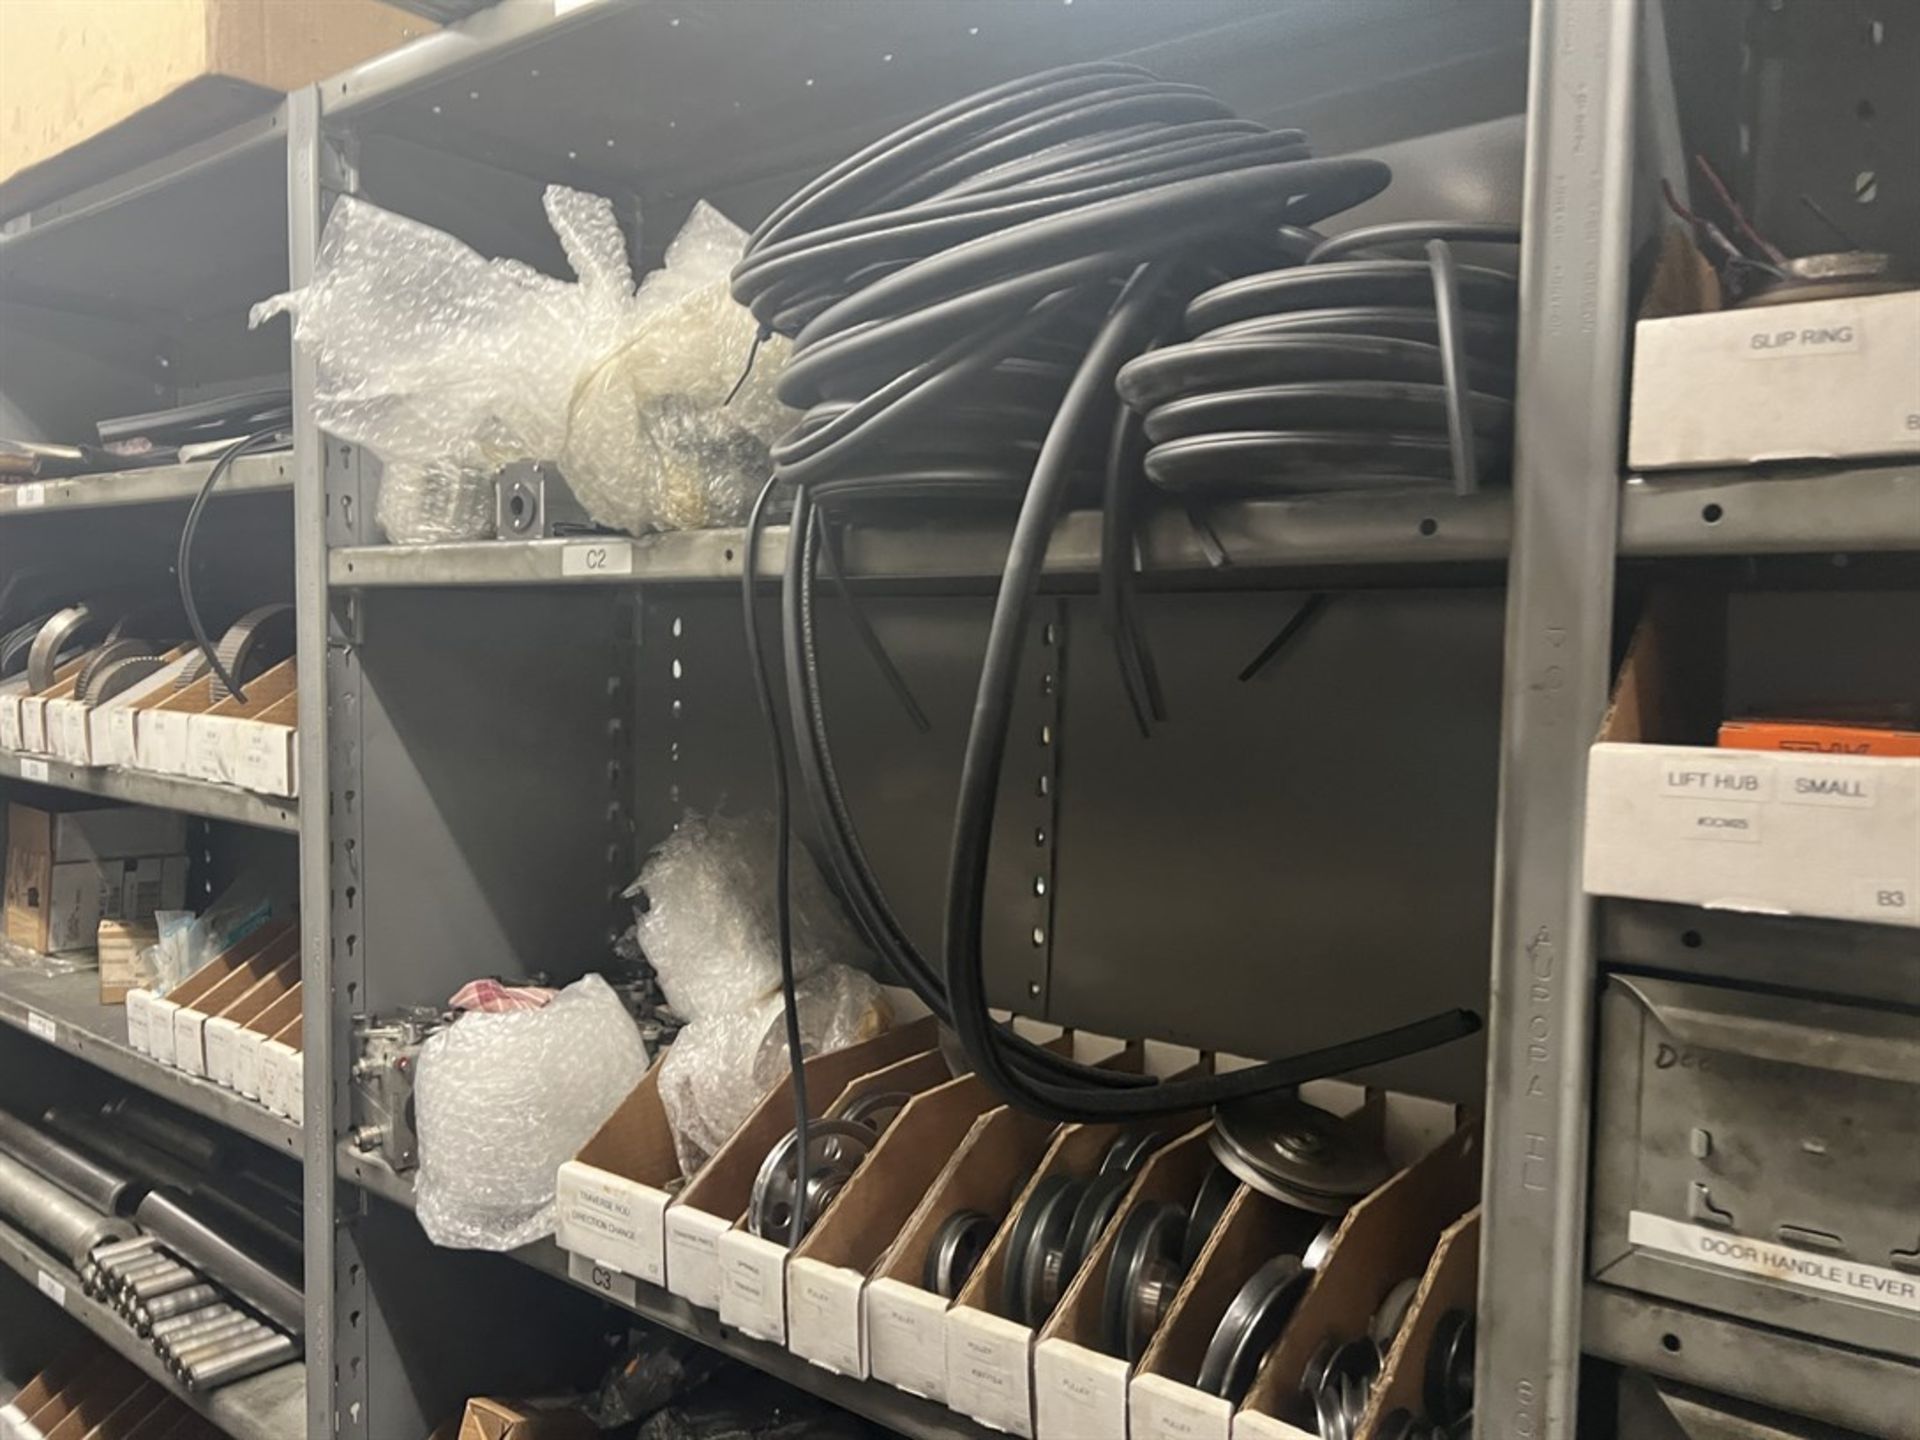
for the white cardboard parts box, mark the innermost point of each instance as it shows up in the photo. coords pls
(1825, 379)
(716, 1197)
(610, 1200)
(827, 1276)
(1671, 817)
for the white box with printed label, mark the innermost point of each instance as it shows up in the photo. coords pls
(1774, 832)
(610, 1200)
(1820, 380)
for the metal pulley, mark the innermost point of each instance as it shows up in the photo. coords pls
(876, 1112)
(1143, 1275)
(1298, 1153)
(957, 1246)
(1254, 1318)
(835, 1149)
(1060, 1223)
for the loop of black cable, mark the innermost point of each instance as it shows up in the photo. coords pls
(951, 294)
(183, 559)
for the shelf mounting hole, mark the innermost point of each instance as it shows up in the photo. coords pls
(1670, 1343)
(1429, 526)
(1711, 514)
(1692, 939)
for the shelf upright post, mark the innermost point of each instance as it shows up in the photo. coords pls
(1572, 338)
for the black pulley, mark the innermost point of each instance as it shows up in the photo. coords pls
(1251, 1326)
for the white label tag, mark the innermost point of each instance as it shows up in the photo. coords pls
(1077, 1392)
(1891, 899)
(604, 1278)
(1739, 824)
(823, 1315)
(907, 1338)
(35, 770)
(987, 1370)
(1704, 780)
(136, 1006)
(611, 1219)
(1781, 1264)
(753, 1285)
(1794, 342)
(26, 497)
(1164, 1409)
(608, 557)
(52, 1289)
(1829, 785)
(41, 1028)
(693, 1255)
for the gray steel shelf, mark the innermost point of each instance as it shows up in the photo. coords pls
(1721, 513)
(909, 1415)
(158, 485)
(268, 1406)
(1871, 1393)
(162, 792)
(65, 1012)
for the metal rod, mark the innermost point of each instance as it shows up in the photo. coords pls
(79, 1175)
(165, 1325)
(152, 1287)
(188, 1342)
(52, 1216)
(204, 1322)
(218, 1258)
(220, 1342)
(238, 1364)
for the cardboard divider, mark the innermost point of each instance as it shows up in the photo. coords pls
(906, 1324)
(147, 1416)
(150, 1016)
(253, 1034)
(717, 1196)
(214, 735)
(1387, 1237)
(42, 1388)
(190, 1015)
(827, 1275)
(753, 1270)
(1080, 1387)
(221, 1034)
(1451, 1283)
(119, 718)
(611, 1198)
(33, 709)
(83, 1405)
(162, 735)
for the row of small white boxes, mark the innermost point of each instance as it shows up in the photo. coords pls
(164, 731)
(851, 1298)
(1672, 817)
(234, 1021)
(92, 1393)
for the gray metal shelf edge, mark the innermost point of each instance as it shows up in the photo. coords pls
(162, 792)
(1860, 510)
(157, 485)
(64, 1011)
(908, 1414)
(267, 1406)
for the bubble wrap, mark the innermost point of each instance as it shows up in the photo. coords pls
(719, 1068)
(502, 1100)
(709, 929)
(447, 365)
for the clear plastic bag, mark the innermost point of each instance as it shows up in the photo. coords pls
(709, 928)
(502, 1099)
(447, 365)
(720, 1066)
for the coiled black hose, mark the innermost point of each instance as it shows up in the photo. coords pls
(962, 296)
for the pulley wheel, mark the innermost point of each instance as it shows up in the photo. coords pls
(876, 1112)
(1298, 1153)
(1143, 1273)
(1449, 1382)
(1098, 1204)
(1039, 1233)
(1392, 1313)
(1339, 1380)
(835, 1149)
(1209, 1207)
(957, 1246)
(1129, 1151)
(1252, 1323)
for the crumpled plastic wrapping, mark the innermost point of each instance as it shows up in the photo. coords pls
(709, 928)
(501, 1100)
(447, 365)
(710, 931)
(719, 1067)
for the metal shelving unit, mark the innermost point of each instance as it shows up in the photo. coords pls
(491, 733)
(267, 1406)
(64, 1011)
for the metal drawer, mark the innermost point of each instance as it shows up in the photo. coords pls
(1653, 1409)
(1759, 1155)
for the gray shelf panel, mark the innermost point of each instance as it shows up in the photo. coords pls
(162, 792)
(65, 1012)
(1862, 1391)
(1751, 512)
(159, 485)
(909, 1415)
(268, 1406)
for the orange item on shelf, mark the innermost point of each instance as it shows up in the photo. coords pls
(1819, 737)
